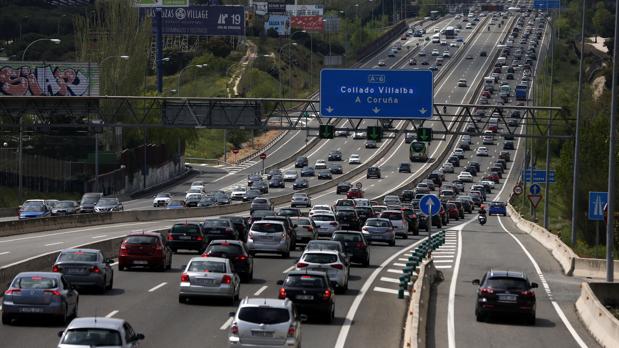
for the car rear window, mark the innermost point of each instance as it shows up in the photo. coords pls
(506, 283)
(347, 237)
(207, 266)
(216, 223)
(391, 215)
(267, 227)
(142, 240)
(185, 229)
(78, 256)
(317, 245)
(92, 337)
(35, 282)
(305, 281)
(260, 200)
(229, 249)
(320, 258)
(323, 218)
(264, 315)
(377, 223)
(303, 222)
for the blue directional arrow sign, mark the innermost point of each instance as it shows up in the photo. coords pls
(535, 189)
(597, 201)
(429, 205)
(376, 93)
(539, 175)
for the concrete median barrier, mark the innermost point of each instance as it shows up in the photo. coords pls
(593, 268)
(591, 309)
(416, 317)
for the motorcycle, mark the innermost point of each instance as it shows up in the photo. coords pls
(481, 219)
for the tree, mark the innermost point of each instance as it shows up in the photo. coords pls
(603, 20)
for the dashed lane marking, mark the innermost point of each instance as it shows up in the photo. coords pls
(111, 314)
(257, 293)
(158, 286)
(389, 291)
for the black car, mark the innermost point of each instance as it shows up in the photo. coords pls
(186, 236)
(241, 225)
(253, 178)
(301, 162)
(311, 293)
(219, 228)
(308, 171)
(471, 169)
(273, 172)
(277, 181)
(251, 194)
(364, 213)
(293, 212)
(335, 156)
(325, 175)
(193, 200)
(476, 165)
(343, 187)
(412, 218)
(260, 185)
(464, 145)
(505, 155)
(436, 177)
(409, 137)
(208, 201)
(373, 172)
(355, 246)
(348, 219)
(505, 292)
(235, 251)
(335, 168)
(404, 167)
(508, 145)
(454, 160)
(407, 196)
(300, 183)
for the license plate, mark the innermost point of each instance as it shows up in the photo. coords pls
(31, 310)
(140, 262)
(184, 237)
(203, 281)
(73, 270)
(262, 333)
(507, 298)
(304, 297)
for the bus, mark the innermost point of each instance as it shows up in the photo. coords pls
(418, 152)
(434, 15)
(450, 33)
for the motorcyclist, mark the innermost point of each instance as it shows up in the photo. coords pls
(482, 210)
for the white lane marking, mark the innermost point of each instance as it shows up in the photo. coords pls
(402, 259)
(55, 243)
(443, 253)
(389, 291)
(442, 256)
(443, 261)
(389, 280)
(100, 236)
(397, 271)
(442, 266)
(154, 288)
(397, 264)
(542, 278)
(114, 264)
(260, 290)
(111, 314)
(451, 332)
(5, 252)
(289, 269)
(227, 324)
(350, 315)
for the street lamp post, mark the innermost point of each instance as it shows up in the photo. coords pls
(23, 56)
(178, 83)
(289, 59)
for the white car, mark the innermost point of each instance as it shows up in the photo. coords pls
(465, 177)
(462, 83)
(487, 140)
(162, 199)
(354, 159)
(459, 152)
(328, 261)
(362, 202)
(448, 167)
(238, 193)
(341, 133)
(320, 164)
(300, 199)
(446, 54)
(482, 151)
(320, 209)
(192, 191)
(488, 182)
(326, 223)
(468, 26)
(92, 331)
(359, 135)
(381, 63)
(435, 52)
(290, 175)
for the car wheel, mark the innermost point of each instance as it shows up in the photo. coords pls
(64, 317)
(392, 243)
(427, 228)
(479, 316)
(74, 315)
(505, 214)
(286, 255)
(6, 319)
(366, 263)
(182, 299)
(405, 236)
(111, 285)
(174, 250)
(121, 267)
(531, 319)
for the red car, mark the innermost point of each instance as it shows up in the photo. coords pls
(354, 193)
(493, 177)
(144, 249)
(452, 209)
(486, 94)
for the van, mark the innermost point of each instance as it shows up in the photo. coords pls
(439, 61)
(436, 38)
(501, 60)
(88, 201)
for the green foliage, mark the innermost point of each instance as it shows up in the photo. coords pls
(603, 20)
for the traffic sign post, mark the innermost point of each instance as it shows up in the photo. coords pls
(429, 205)
(263, 156)
(326, 131)
(424, 134)
(518, 190)
(375, 133)
(535, 199)
(376, 93)
(359, 185)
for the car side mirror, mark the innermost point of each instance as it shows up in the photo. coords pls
(139, 337)
(231, 314)
(303, 317)
(534, 285)
(60, 333)
(280, 282)
(475, 282)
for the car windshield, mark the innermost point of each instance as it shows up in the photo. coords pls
(92, 337)
(288, 212)
(261, 213)
(323, 218)
(34, 207)
(216, 223)
(185, 229)
(506, 283)
(327, 245)
(391, 215)
(304, 281)
(264, 315)
(207, 266)
(163, 195)
(227, 249)
(64, 204)
(267, 228)
(347, 237)
(35, 282)
(377, 223)
(320, 258)
(498, 204)
(291, 172)
(260, 200)
(107, 201)
(142, 240)
(90, 200)
(78, 256)
(303, 221)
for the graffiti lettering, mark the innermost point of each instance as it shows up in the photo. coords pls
(42, 81)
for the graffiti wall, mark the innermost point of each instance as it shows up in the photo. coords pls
(49, 79)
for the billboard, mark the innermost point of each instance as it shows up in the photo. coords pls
(305, 10)
(49, 79)
(309, 23)
(280, 23)
(160, 3)
(276, 7)
(262, 7)
(200, 20)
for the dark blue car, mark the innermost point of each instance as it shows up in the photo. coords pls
(32, 211)
(497, 208)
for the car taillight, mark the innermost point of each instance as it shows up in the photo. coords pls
(527, 293)
(184, 277)
(170, 237)
(53, 292)
(301, 264)
(94, 269)
(226, 279)
(282, 294)
(123, 246)
(486, 291)
(291, 331)
(229, 230)
(55, 268)
(234, 329)
(309, 228)
(158, 247)
(200, 238)
(326, 295)
(365, 229)
(12, 292)
(241, 258)
(338, 266)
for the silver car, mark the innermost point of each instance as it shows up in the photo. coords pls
(328, 261)
(85, 268)
(209, 277)
(379, 230)
(99, 332)
(400, 225)
(108, 204)
(305, 228)
(300, 199)
(291, 175)
(265, 322)
(326, 224)
(65, 208)
(391, 200)
(162, 199)
(268, 236)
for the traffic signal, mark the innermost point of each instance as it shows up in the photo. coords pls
(326, 131)
(375, 133)
(424, 134)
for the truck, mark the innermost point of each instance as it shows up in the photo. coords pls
(449, 32)
(521, 92)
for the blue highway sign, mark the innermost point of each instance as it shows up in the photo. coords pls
(597, 201)
(535, 189)
(376, 93)
(429, 205)
(546, 4)
(538, 175)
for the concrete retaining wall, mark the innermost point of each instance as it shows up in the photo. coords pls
(593, 268)
(602, 324)
(416, 318)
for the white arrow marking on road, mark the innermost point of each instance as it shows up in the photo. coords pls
(376, 110)
(423, 110)
(329, 109)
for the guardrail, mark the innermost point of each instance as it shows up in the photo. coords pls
(415, 327)
(421, 252)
